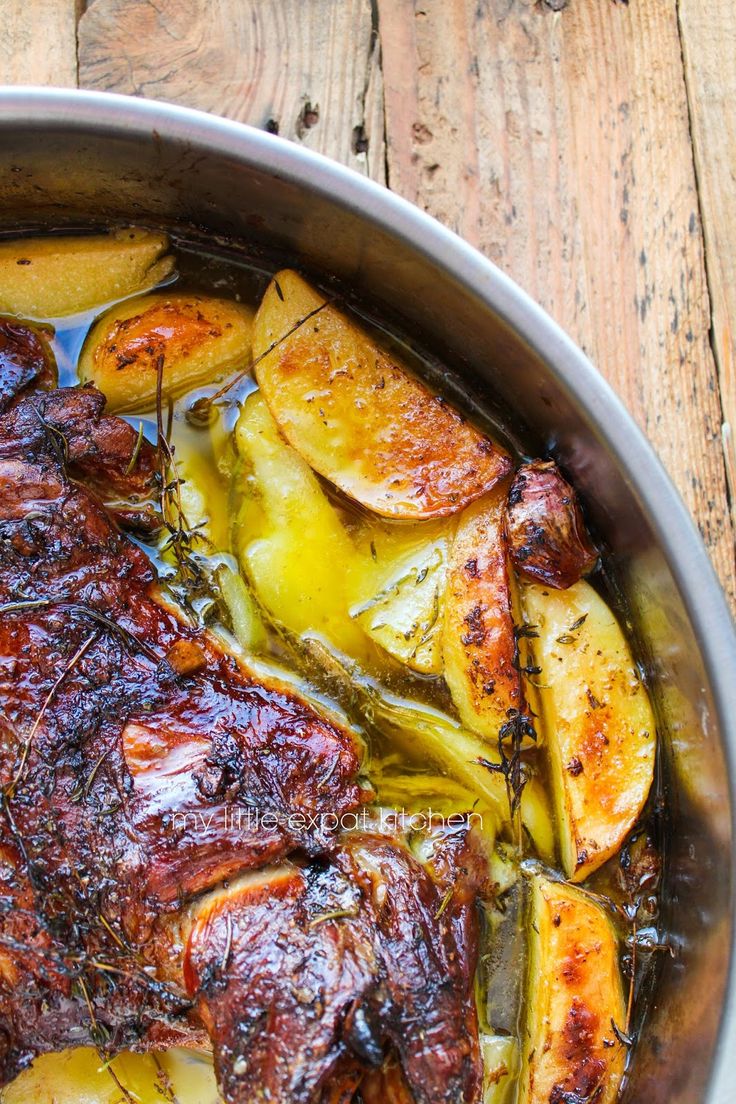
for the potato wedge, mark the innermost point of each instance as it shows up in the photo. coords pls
(80, 1077)
(570, 1050)
(290, 540)
(405, 617)
(204, 504)
(597, 720)
(500, 1067)
(359, 418)
(199, 338)
(548, 541)
(431, 737)
(51, 277)
(478, 641)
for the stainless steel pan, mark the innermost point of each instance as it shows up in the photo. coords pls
(84, 158)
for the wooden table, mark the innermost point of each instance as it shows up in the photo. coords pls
(586, 146)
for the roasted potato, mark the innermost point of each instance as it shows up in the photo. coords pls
(405, 616)
(245, 620)
(290, 540)
(81, 1077)
(574, 997)
(358, 417)
(193, 338)
(396, 788)
(500, 1067)
(548, 541)
(431, 737)
(597, 720)
(478, 640)
(51, 277)
(204, 505)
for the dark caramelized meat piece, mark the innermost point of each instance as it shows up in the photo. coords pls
(142, 766)
(25, 359)
(302, 973)
(99, 448)
(547, 537)
(386, 1086)
(127, 786)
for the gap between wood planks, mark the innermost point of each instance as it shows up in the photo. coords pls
(708, 44)
(558, 137)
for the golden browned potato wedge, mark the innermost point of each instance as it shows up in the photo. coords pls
(481, 666)
(358, 417)
(548, 541)
(82, 1077)
(597, 721)
(51, 277)
(570, 1049)
(195, 339)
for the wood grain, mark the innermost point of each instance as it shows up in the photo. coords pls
(306, 68)
(708, 34)
(557, 141)
(38, 44)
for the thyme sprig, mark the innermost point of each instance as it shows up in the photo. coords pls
(82, 609)
(511, 735)
(181, 536)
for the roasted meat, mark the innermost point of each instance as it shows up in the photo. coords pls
(308, 975)
(25, 359)
(172, 864)
(548, 540)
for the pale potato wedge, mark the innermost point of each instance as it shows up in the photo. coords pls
(204, 497)
(597, 720)
(420, 791)
(405, 616)
(500, 1067)
(79, 1077)
(51, 277)
(358, 417)
(204, 504)
(478, 641)
(247, 626)
(431, 737)
(570, 1049)
(194, 338)
(290, 540)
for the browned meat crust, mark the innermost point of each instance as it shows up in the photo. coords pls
(142, 766)
(25, 359)
(546, 530)
(103, 743)
(302, 971)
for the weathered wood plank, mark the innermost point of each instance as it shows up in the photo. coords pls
(39, 42)
(708, 34)
(558, 142)
(309, 68)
